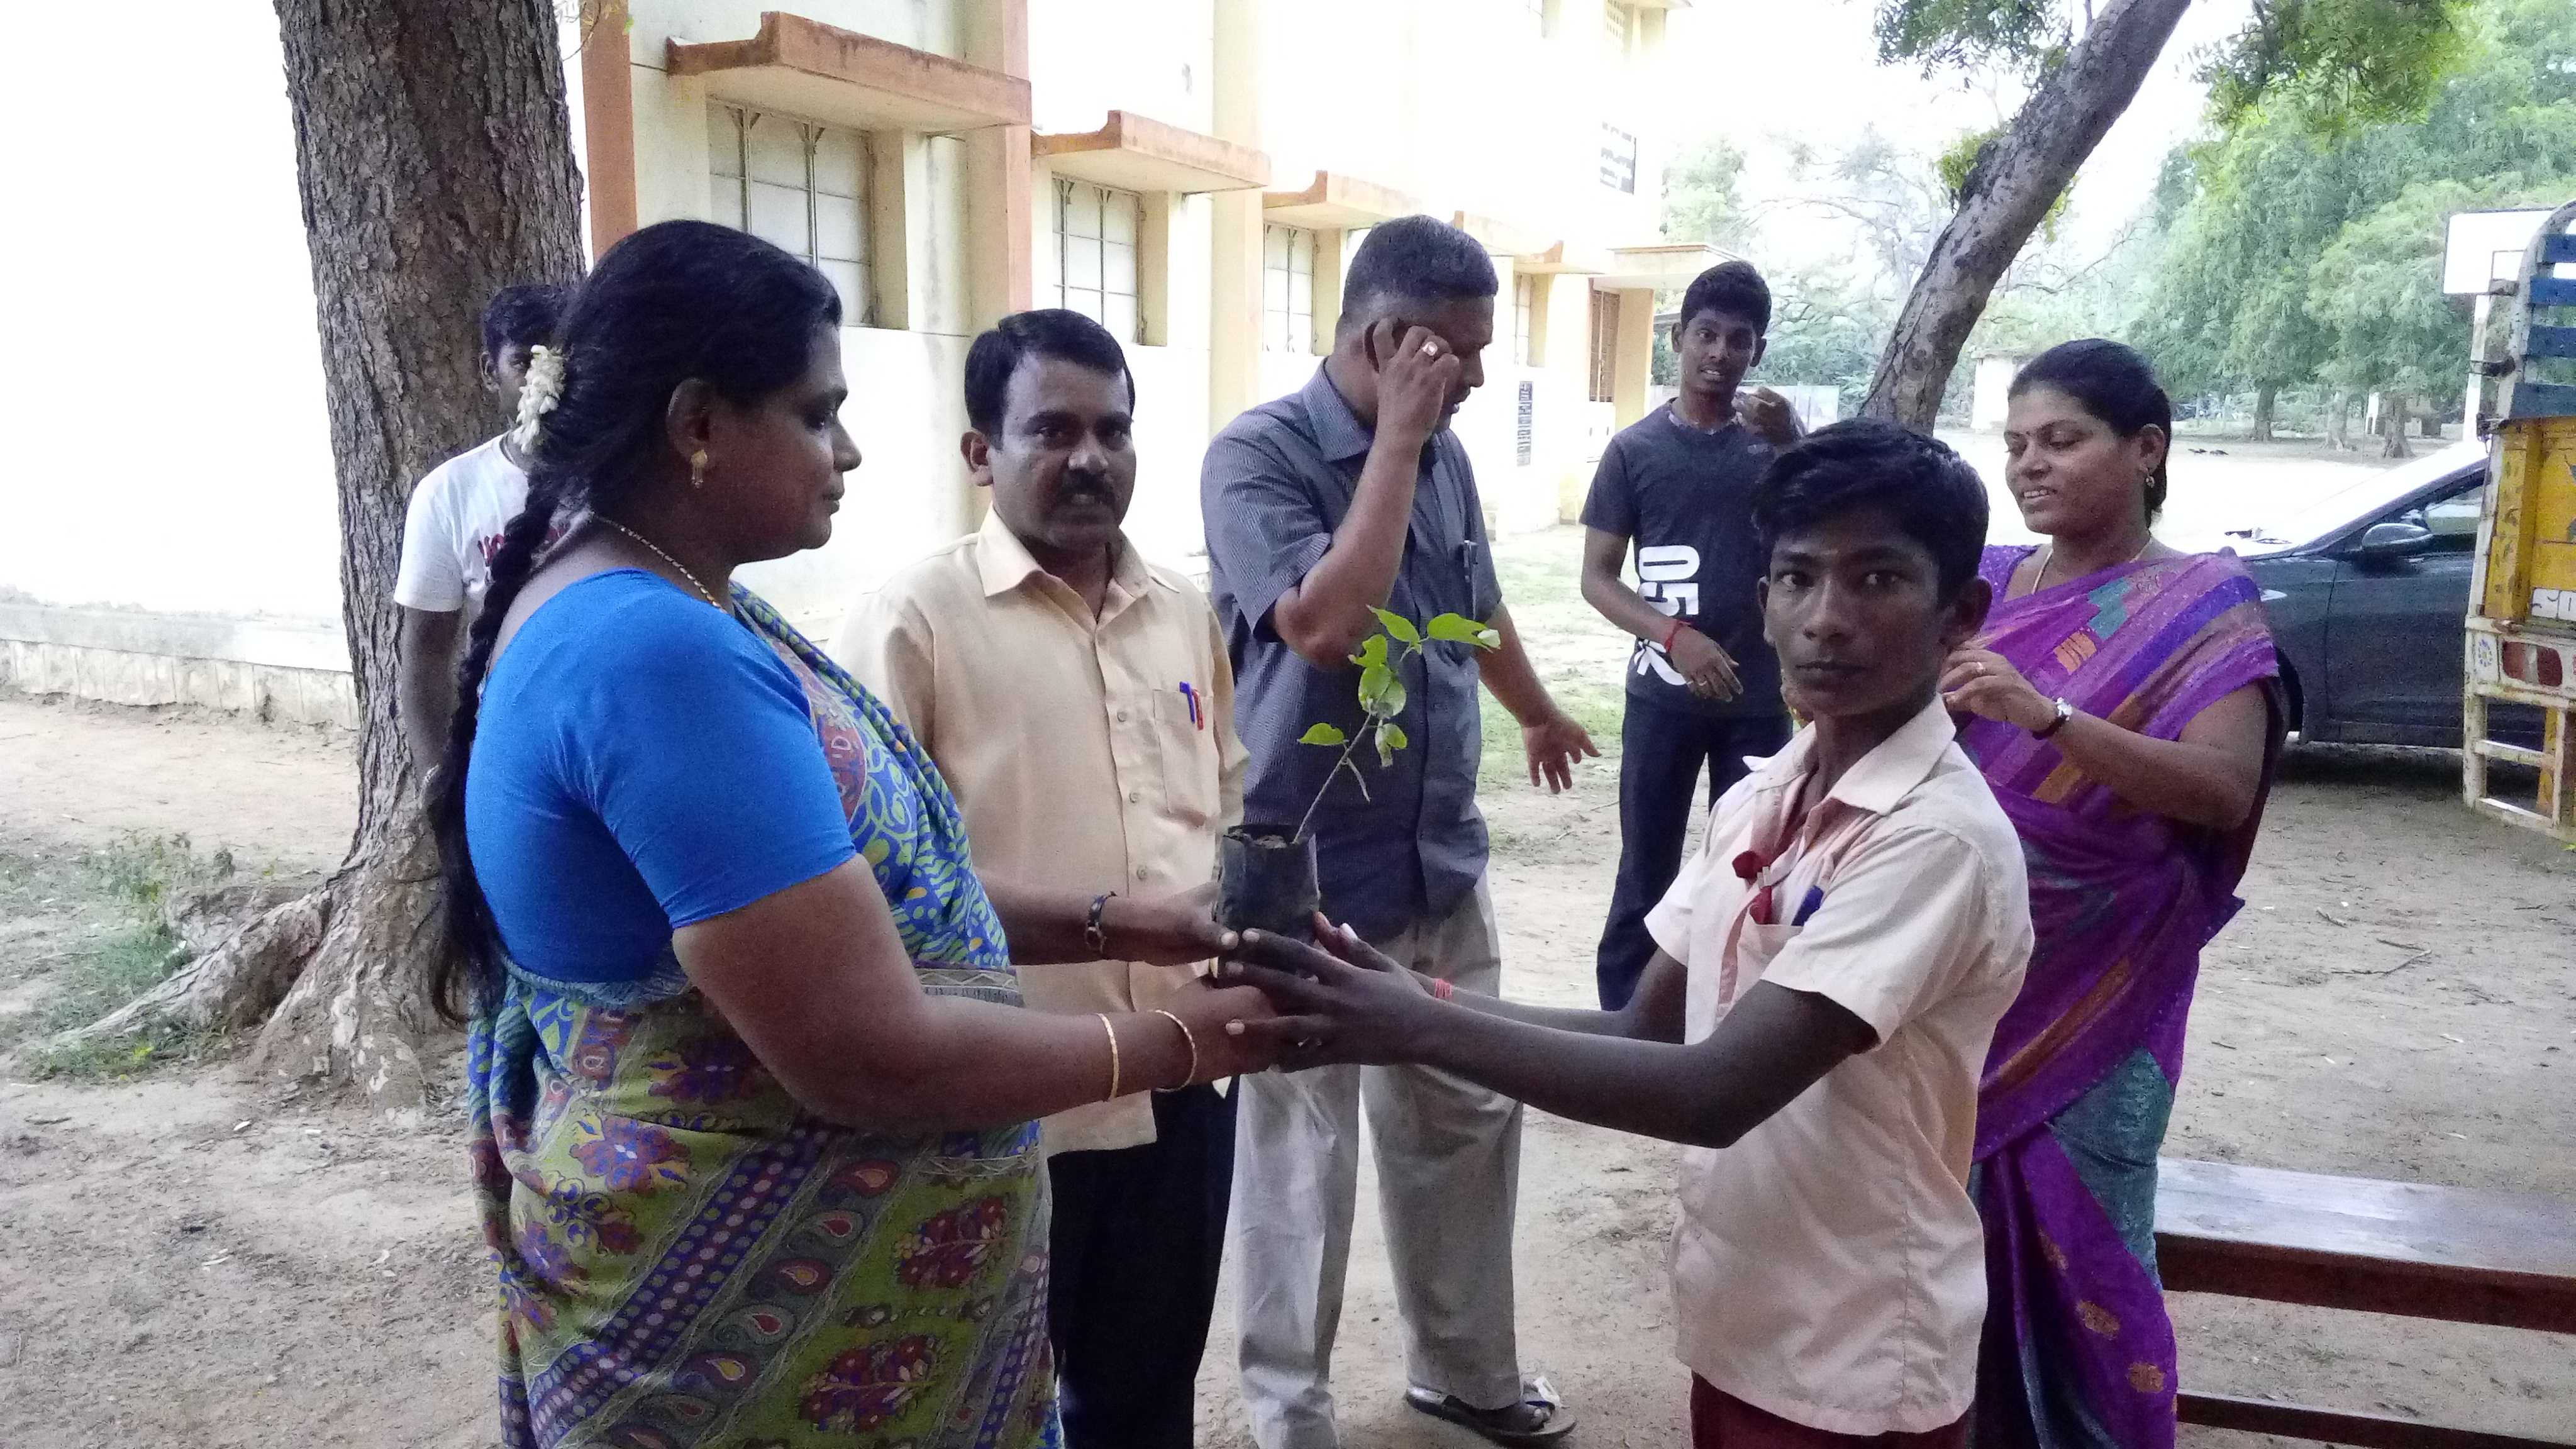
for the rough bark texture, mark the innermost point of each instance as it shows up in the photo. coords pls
(434, 155)
(2007, 195)
(2339, 420)
(2392, 428)
(2266, 398)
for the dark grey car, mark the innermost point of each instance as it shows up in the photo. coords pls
(2368, 591)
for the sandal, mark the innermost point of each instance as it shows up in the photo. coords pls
(1539, 1420)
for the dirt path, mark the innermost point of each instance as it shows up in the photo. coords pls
(315, 1277)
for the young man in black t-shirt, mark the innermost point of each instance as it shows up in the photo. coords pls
(1702, 686)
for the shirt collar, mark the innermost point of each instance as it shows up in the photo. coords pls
(1339, 433)
(1879, 779)
(1006, 563)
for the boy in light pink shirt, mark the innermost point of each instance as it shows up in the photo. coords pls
(1829, 973)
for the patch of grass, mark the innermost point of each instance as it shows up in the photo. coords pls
(98, 938)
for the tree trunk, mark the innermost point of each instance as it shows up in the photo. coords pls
(2265, 396)
(2392, 428)
(2339, 420)
(2007, 195)
(434, 155)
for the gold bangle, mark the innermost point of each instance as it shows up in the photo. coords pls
(1113, 1056)
(1192, 1074)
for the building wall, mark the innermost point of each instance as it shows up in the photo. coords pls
(172, 537)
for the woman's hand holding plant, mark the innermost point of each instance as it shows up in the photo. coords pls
(1179, 929)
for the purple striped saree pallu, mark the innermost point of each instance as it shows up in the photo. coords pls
(2078, 1351)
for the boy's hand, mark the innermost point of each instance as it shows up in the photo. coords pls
(1769, 416)
(1554, 744)
(1346, 1003)
(1417, 374)
(1704, 666)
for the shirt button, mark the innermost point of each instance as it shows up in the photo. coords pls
(1122, 716)
(1143, 871)
(1135, 797)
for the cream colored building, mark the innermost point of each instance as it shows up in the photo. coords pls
(1195, 173)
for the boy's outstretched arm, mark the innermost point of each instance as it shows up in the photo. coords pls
(1354, 1005)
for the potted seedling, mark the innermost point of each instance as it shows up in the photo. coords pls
(1266, 872)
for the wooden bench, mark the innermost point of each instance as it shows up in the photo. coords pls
(2381, 1247)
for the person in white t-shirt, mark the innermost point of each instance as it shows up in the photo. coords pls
(1828, 975)
(455, 521)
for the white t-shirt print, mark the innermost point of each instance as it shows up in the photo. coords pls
(454, 527)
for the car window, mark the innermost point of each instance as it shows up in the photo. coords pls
(2452, 519)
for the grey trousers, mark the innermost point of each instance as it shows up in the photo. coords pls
(1448, 1168)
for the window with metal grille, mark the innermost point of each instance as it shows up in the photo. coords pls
(1618, 25)
(1095, 237)
(800, 185)
(1287, 289)
(1605, 346)
(1524, 316)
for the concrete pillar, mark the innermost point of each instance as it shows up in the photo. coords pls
(1234, 269)
(608, 126)
(1633, 369)
(999, 202)
(1330, 244)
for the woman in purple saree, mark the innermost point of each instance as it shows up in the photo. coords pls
(2125, 716)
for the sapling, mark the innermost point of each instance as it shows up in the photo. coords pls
(1381, 661)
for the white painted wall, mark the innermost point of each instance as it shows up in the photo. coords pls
(174, 456)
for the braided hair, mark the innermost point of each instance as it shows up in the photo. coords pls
(675, 301)
(2114, 383)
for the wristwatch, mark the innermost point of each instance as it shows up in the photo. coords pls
(2057, 721)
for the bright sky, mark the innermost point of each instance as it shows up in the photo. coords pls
(1810, 69)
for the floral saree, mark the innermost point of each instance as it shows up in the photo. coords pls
(687, 1258)
(2078, 1352)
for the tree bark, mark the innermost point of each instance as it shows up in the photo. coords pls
(2007, 195)
(2339, 420)
(2392, 428)
(2266, 397)
(434, 155)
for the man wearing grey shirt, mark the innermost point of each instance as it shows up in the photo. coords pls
(1348, 495)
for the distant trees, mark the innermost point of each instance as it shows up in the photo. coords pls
(2308, 252)
(2330, 63)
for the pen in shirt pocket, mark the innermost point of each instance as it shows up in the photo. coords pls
(1807, 905)
(1190, 697)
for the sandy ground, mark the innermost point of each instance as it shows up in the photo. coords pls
(195, 1259)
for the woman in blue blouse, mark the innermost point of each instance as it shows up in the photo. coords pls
(754, 1106)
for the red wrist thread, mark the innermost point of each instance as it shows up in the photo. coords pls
(1672, 634)
(1442, 989)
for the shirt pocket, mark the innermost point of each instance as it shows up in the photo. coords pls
(1189, 756)
(1756, 947)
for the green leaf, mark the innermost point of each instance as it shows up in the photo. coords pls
(1398, 625)
(1323, 734)
(1391, 736)
(1381, 693)
(1375, 680)
(1489, 638)
(1454, 629)
(1385, 750)
(1371, 653)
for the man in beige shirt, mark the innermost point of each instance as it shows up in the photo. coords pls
(1080, 704)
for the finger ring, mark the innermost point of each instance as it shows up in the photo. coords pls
(1431, 349)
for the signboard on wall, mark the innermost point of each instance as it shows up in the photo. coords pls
(1521, 422)
(1618, 159)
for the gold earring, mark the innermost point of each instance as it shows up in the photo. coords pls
(698, 469)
